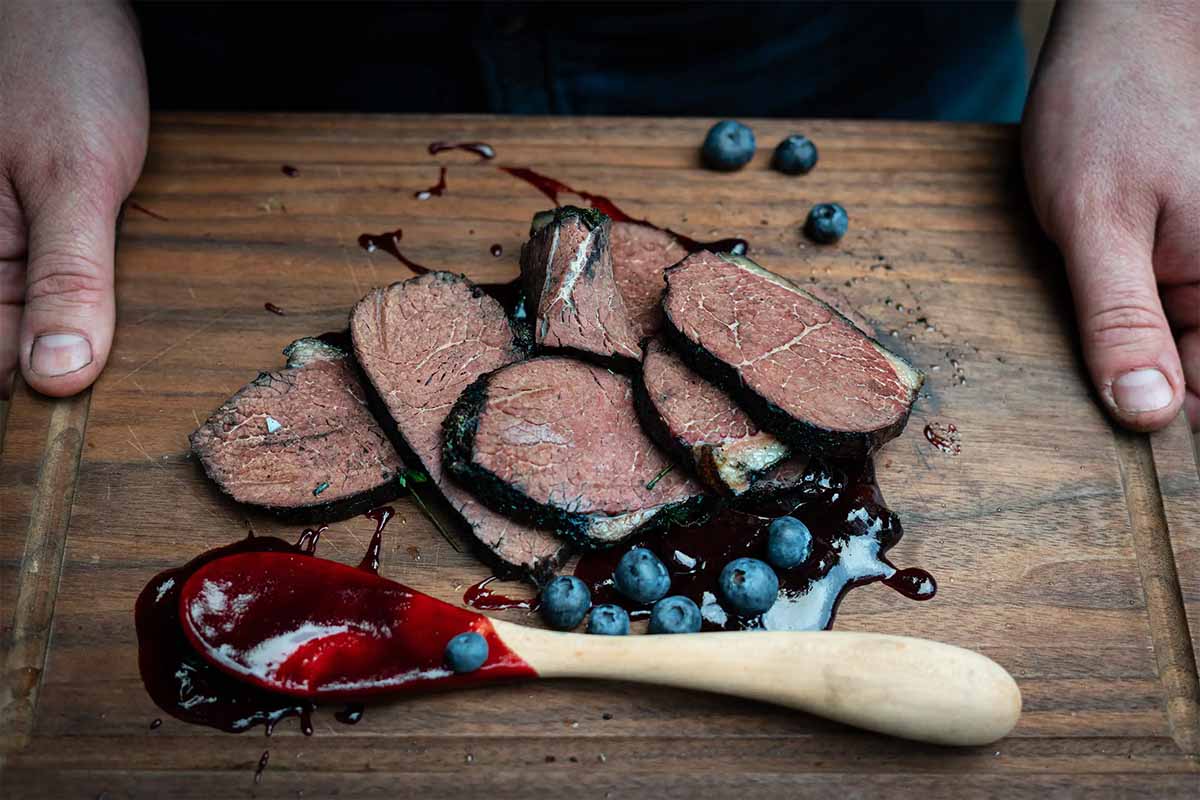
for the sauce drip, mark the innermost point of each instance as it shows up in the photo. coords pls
(389, 242)
(552, 188)
(944, 437)
(496, 250)
(852, 530)
(350, 715)
(437, 190)
(262, 765)
(485, 599)
(289, 170)
(274, 309)
(481, 149)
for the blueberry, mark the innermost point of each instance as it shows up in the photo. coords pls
(608, 620)
(674, 614)
(728, 146)
(565, 602)
(466, 652)
(641, 576)
(826, 223)
(795, 155)
(748, 585)
(789, 543)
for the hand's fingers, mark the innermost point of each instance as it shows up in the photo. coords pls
(1127, 343)
(12, 284)
(12, 293)
(1189, 354)
(67, 326)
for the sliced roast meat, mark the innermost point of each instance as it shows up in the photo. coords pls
(557, 442)
(421, 342)
(301, 441)
(640, 255)
(567, 271)
(700, 424)
(800, 369)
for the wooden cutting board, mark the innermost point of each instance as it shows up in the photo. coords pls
(1064, 549)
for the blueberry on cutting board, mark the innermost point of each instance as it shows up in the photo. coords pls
(675, 614)
(608, 620)
(795, 155)
(641, 576)
(789, 543)
(826, 223)
(748, 585)
(728, 146)
(565, 602)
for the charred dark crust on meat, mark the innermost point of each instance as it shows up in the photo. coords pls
(459, 430)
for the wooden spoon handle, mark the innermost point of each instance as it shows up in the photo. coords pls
(912, 688)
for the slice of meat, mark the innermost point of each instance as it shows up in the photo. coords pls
(640, 256)
(421, 342)
(301, 441)
(800, 369)
(700, 424)
(567, 271)
(556, 441)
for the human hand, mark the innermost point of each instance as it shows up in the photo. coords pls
(1113, 168)
(73, 124)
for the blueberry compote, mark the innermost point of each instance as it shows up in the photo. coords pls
(255, 631)
(852, 531)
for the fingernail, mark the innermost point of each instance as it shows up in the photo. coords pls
(57, 354)
(1142, 390)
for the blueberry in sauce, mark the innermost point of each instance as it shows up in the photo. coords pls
(641, 576)
(748, 585)
(466, 652)
(728, 146)
(608, 620)
(795, 155)
(675, 614)
(789, 543)
(826, 223)
(565, 602)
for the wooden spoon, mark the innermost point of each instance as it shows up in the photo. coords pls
(304, 626)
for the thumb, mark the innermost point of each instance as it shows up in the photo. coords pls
(1126, 340)
(67, 325)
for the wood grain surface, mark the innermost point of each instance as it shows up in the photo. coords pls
(1066, 551)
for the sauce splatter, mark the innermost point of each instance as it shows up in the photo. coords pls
(497, 250)
(944, 437)
(146, 211)
(486, 599)
(481, 149)
(437, 190)
(289, 170)
(262, 765)
(389, 242)
(274, 309)
(552, 188)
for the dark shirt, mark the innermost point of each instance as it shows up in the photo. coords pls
(912, 60)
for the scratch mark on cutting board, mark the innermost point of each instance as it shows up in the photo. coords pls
(137, 444)
(171, 347)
